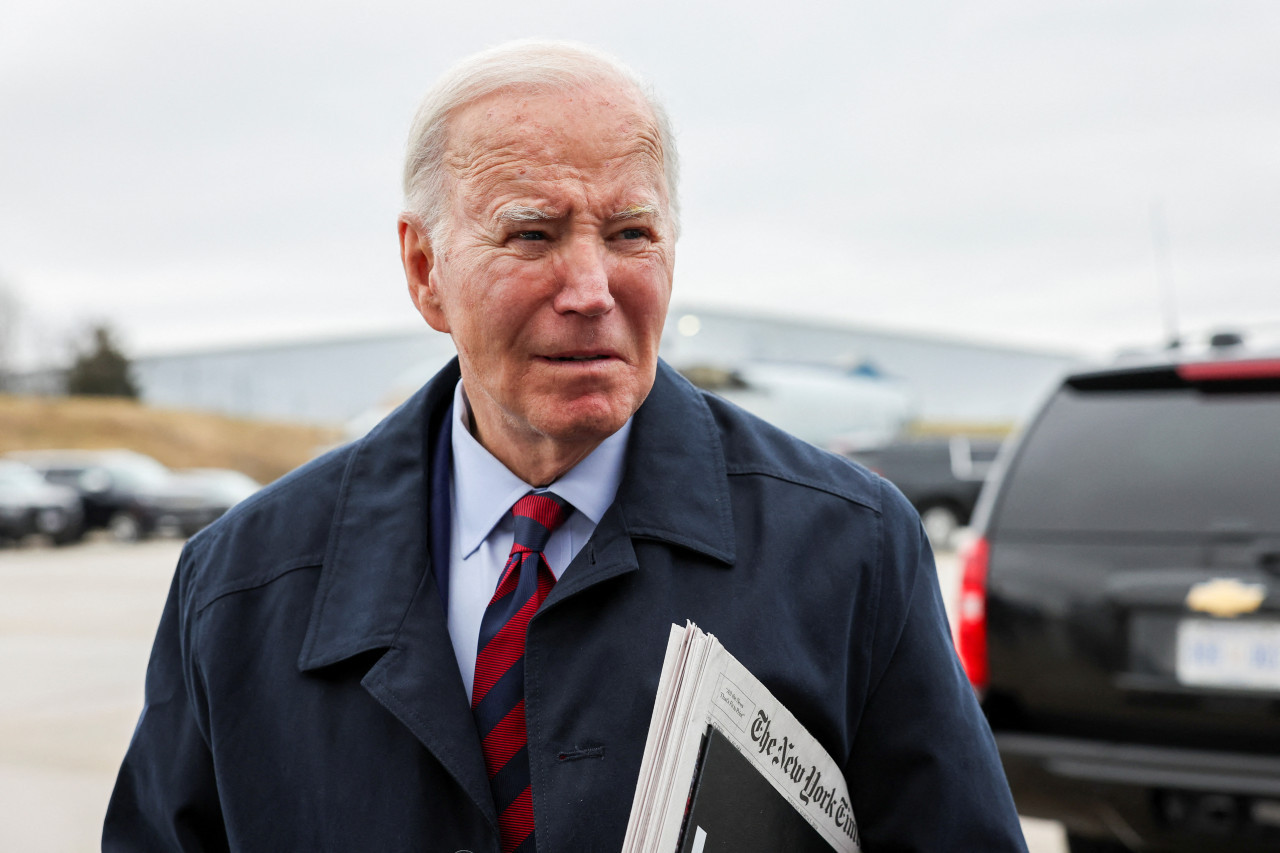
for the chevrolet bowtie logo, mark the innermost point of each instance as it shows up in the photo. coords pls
(1226, 597)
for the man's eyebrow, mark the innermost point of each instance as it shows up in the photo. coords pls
(518, 213)
(524, 213)
(635, 211)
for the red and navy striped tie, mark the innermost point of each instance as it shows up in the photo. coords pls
(497, 696)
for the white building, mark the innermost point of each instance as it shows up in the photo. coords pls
(337, 379)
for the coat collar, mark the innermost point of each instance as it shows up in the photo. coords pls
(675, 489)
(377, 592)
(377, 554)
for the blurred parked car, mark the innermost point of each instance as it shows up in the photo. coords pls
(817, 403)
(29, 504)
(940, 476)
(130, 494)
(221, 486)
(1120, 610)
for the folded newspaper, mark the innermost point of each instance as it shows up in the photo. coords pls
(727, 767)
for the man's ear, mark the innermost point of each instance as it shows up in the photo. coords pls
(420, 273)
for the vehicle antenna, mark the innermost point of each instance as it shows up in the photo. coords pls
(1164, 274)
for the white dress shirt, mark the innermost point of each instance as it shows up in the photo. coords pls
(483, 490)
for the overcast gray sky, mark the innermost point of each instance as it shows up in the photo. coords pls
(983, 170)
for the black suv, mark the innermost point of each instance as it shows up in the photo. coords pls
(1119, 611)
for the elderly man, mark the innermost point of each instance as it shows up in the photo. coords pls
(448, 635)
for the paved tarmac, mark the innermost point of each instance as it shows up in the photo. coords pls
(76, 626)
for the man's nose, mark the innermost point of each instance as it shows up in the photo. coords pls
(584, 279)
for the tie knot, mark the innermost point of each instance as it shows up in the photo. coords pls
(537, 515)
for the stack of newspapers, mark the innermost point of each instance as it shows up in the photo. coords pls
(727, 767)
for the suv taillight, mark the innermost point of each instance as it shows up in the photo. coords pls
(971, 627)
(1225, 371)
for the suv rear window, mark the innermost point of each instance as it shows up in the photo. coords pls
(1159, 460)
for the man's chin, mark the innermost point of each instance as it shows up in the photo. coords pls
(584, 419)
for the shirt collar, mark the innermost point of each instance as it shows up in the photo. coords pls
(485, 489)
(379, 548)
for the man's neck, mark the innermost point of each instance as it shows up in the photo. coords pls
(537, 460)
(540, 466)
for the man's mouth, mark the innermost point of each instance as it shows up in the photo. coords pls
(594, 357)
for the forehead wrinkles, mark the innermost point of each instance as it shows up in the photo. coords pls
(536, 158)
(507, 139)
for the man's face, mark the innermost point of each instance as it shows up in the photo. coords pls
(555, 271)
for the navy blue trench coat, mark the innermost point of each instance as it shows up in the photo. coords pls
(303, 694)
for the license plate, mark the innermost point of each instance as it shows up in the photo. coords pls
(1222, 653)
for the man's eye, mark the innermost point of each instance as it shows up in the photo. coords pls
(531, 235)
(631, 234)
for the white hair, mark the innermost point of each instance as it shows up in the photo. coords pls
(546, 66)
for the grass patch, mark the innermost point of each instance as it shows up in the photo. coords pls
(262, 449)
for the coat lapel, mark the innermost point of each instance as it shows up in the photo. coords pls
(377, 590)
(417, 680)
